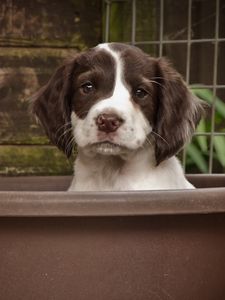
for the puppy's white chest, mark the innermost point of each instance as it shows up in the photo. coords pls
(137, 174)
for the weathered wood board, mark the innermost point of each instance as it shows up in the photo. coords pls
(24, 71)
(73, 23)
(35, 38)
(33, 160)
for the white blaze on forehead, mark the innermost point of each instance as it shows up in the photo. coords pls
(120, 93)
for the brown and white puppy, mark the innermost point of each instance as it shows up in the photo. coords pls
(128, 113)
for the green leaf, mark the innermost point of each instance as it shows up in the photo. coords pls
(207, 95)
(197, 157)
(219, 145)
(202, 140)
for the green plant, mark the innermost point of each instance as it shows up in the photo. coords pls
(198, 150)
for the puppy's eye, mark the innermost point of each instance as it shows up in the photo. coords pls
(87, 87)
(140, 93)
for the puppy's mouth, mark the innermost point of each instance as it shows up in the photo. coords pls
(108, 148)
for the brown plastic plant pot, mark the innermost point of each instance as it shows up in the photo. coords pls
(122, 245)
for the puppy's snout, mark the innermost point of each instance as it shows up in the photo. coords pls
(108, 122)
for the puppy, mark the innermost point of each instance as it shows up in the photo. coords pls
(127, 112)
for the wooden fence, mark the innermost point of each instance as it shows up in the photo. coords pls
(35, 37)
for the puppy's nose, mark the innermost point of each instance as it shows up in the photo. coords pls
(108, 122)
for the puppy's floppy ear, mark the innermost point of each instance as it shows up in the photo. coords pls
(51, 105)
(178, 112)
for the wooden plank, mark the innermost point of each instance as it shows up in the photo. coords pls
(35, 183)
(34, 160)
(50, 23)
(24, 71)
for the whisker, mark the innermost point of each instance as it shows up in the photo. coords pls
(150, 143)
(70, 145)
(153, 81)
(160, 137)
(161, 78)
(61, 127)
(63, 135)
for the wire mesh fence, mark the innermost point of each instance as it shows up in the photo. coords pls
(192, 34)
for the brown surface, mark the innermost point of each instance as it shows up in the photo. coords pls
(207, 180)
(167, 257)
(124, 246)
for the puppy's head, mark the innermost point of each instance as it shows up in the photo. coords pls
(111, 99)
